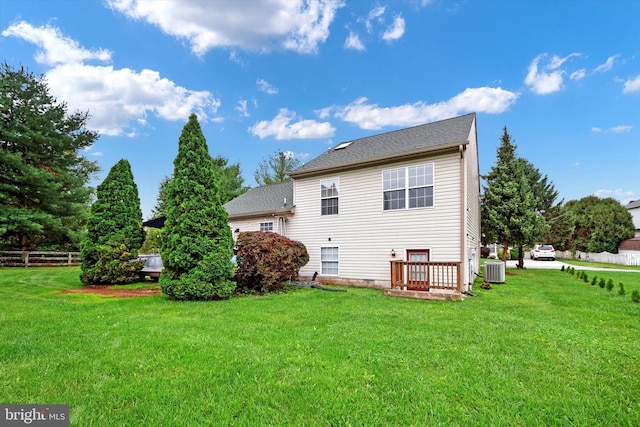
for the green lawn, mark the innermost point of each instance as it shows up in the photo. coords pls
(542, 349)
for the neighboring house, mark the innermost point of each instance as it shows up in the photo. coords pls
(634, 210)
(400, 209)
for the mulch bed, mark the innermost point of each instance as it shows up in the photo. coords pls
(114, 291)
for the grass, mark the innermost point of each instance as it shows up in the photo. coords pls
(542, 349)
(579, 263)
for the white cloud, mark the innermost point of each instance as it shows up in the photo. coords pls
(298, 25)
(114, 97)
(607, 65)
(621, 129)
(614, 129)
(56, 48)
(375, 14)
(353, 42)
(623, 196)
(395, 31)
(632, 85)
(371, 116)
(546, 79)
(282, 127)
(264, 86)
(578, 74)
(242, 108)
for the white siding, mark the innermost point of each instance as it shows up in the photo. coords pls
(635, 215)
(365, 234)
(472, 191)
(253, 224)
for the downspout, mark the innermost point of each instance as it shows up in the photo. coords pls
(463, 223)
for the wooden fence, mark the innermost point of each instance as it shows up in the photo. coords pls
(606, 257)
(38, 259)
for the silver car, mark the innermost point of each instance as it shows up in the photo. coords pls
(543, 252)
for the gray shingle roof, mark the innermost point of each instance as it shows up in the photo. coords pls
(266, 199)
(633, 205)
(393, 144)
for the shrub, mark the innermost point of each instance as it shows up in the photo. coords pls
(562, 269)
(609, 285)
(602, 283)
(635, 297)
(621, 291)
(484, 252)
(266, 261)
(594, 280)
(115, 265)
(585, 277)
(572, 271)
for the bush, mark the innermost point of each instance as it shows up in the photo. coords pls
(562, 269)
(594, 280)
(585, 277)
(609, 285)
(484, 252)
(115, 265)
(621, 291)
(602, 283)
(267, 261)
(635, 297)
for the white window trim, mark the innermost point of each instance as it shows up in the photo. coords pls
(337, 262)
(337, 197)
(265, 223)
(407, 187)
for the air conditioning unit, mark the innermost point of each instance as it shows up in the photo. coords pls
(494, 272)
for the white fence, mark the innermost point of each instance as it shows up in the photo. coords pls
(606, 257)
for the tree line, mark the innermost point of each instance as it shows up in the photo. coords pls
(520, 207)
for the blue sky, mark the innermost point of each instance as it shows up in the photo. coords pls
(302, 76)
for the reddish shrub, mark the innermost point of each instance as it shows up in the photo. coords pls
(266, 261)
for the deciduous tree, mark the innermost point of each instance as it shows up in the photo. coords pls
(599, 224)
(276, 168)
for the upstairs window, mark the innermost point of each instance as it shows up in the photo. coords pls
(329, 189)
(410, 187)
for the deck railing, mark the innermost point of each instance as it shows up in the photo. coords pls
(426, 275)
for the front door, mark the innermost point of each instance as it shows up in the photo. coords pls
(418, 274)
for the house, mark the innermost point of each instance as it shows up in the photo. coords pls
(398, 211)
(634, 210)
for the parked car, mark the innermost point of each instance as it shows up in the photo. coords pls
(152, 266)
(543, 252)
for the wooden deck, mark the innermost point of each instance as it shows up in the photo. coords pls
(426, 276)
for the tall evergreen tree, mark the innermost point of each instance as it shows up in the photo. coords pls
(114, 230)
(508, 202)
(197, 244)
(276, 169)
(43, 178)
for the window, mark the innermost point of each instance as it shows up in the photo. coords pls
(329, 196)
(266, 226)
(413, 183)
(329, 261)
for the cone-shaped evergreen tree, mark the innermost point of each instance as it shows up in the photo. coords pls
(509, 206)
(197, 244)
(114, 230)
